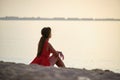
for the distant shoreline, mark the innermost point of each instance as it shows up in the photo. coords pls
(58, 19)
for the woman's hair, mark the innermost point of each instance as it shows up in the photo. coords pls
(45, 32)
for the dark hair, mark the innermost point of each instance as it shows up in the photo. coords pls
(45, 32)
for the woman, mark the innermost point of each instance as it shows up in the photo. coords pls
(45, 49)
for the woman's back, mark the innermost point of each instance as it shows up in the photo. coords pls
(43, 59)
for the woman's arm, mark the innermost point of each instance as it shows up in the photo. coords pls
(52, 50)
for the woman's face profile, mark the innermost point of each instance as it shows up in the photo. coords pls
(50, 35)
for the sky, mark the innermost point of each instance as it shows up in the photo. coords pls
(60, 8)
(84, 44)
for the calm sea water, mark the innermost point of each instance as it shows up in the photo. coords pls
(85, 44)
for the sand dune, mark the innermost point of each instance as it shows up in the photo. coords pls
(19, 71)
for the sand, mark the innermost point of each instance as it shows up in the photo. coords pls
(20, 71)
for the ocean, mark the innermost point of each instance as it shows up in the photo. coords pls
(85, 44)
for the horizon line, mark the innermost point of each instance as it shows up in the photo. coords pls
(59, 18)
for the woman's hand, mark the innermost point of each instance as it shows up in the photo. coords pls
(61, 55)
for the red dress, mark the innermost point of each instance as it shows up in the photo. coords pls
(43, 59)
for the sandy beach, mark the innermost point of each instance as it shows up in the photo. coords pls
(20, 71)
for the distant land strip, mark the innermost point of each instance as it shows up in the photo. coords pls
(58, 19)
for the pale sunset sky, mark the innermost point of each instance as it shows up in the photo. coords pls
(85, 44)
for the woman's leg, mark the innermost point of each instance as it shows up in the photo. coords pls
(53, 60)
(56, 60)
(60, 63)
